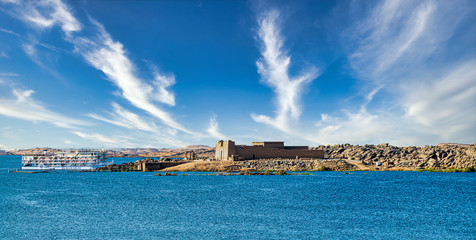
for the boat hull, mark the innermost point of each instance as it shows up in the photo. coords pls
(78, 160)
(66, 168)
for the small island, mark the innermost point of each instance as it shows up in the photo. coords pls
(275, 156)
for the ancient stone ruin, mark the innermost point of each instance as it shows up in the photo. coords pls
(189, 155)
(228, 151)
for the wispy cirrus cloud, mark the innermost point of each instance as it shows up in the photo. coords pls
(106, 55)
(10, 32)
(214, 130)
(32, 42)
(9, 74)
(31, 51)
(41, 59)
(273, 67)
(161, 83)
(109, 56)
(46, 14)
(99, 138)
(10, 1)
(394, 35)
(138, 139)
(353, 127)
(124, 118)
(430, 97)
(23, 106)
(446, 106)
(3, 54)
(360, 126)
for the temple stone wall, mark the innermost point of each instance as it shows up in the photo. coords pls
(268, 144)
(227, 150)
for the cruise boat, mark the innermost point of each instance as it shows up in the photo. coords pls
(70, 160)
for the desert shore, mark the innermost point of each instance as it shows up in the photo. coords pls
(342, 157)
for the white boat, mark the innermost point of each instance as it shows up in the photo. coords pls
(71, 160)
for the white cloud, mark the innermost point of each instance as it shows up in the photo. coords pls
(162, 82)
(40, 59)
(3, 54)
(214, 130)
(10, 32)
(106, 55)
(10, 1)
(428, 100)
(160, 139)
(137, 139)
(110, 57)
(29, 49)
(273, 67)
(48, 13)
(359, 127)
(3, 147)
(399, 37)
(445, 106)
(95, 137)
(9, 74)
(124, 118)
(26, 108)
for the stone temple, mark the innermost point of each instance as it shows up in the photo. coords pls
(228, 151)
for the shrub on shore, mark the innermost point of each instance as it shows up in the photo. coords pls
(324, 168)
(166, 174)
(466, 169)
(469, 169)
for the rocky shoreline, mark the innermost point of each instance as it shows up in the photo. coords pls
(346, 157)
(440, 157)
(263, 165)
(340, 157)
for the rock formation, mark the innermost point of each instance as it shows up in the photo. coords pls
(441, 156)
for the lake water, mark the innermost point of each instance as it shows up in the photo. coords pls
(325, 205)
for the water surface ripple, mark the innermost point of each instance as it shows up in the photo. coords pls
(326, 205)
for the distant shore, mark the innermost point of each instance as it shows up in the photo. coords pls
(340, 157)
(263, 165)
(294, 165)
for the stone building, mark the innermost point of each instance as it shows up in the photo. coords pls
(189, 155)
(227, 150)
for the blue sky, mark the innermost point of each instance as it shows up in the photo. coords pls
(175, 73)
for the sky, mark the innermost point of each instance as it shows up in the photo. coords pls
(166, 74)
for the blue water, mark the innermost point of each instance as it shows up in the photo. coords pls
(326, 205)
